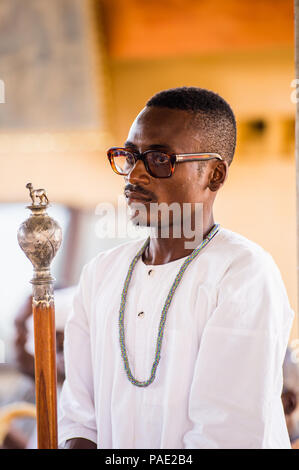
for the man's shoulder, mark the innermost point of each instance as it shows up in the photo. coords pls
(250, 277)
(237, 246)
(240, 254)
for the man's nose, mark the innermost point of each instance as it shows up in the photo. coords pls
(138, 174)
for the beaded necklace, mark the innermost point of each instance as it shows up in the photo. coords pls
(170, 295)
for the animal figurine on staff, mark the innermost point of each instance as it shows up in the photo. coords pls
(38, 193)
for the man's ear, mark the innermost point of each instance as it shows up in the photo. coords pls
(218, 176)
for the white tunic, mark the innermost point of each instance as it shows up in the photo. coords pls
(219, 381)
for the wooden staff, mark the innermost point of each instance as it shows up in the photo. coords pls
(40, 238)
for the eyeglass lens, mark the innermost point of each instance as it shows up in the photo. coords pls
(158, 163)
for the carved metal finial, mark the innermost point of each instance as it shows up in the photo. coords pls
(40, 238)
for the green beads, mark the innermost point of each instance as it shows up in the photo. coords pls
(169, 298)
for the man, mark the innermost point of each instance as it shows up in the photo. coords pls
(167, 350)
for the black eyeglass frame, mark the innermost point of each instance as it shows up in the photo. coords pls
(174, 158)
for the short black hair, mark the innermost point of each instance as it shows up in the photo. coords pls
(212, 114)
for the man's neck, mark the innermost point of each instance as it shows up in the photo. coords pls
(164, 250)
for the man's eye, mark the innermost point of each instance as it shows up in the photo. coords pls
(161, 158)
(158, 157)
(130, 159)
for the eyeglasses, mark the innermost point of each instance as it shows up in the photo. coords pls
(158, 164)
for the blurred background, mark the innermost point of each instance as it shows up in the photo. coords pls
(76, 73)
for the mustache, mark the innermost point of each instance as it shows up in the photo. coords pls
(139, 189)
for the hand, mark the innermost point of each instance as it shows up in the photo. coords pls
(79, 443)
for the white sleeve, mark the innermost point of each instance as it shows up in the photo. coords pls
(235, 397)
(76, 412)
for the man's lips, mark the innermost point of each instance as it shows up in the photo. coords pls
(137, 196)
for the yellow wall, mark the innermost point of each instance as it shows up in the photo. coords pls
(253, 83)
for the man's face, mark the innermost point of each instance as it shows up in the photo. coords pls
(170, 131)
